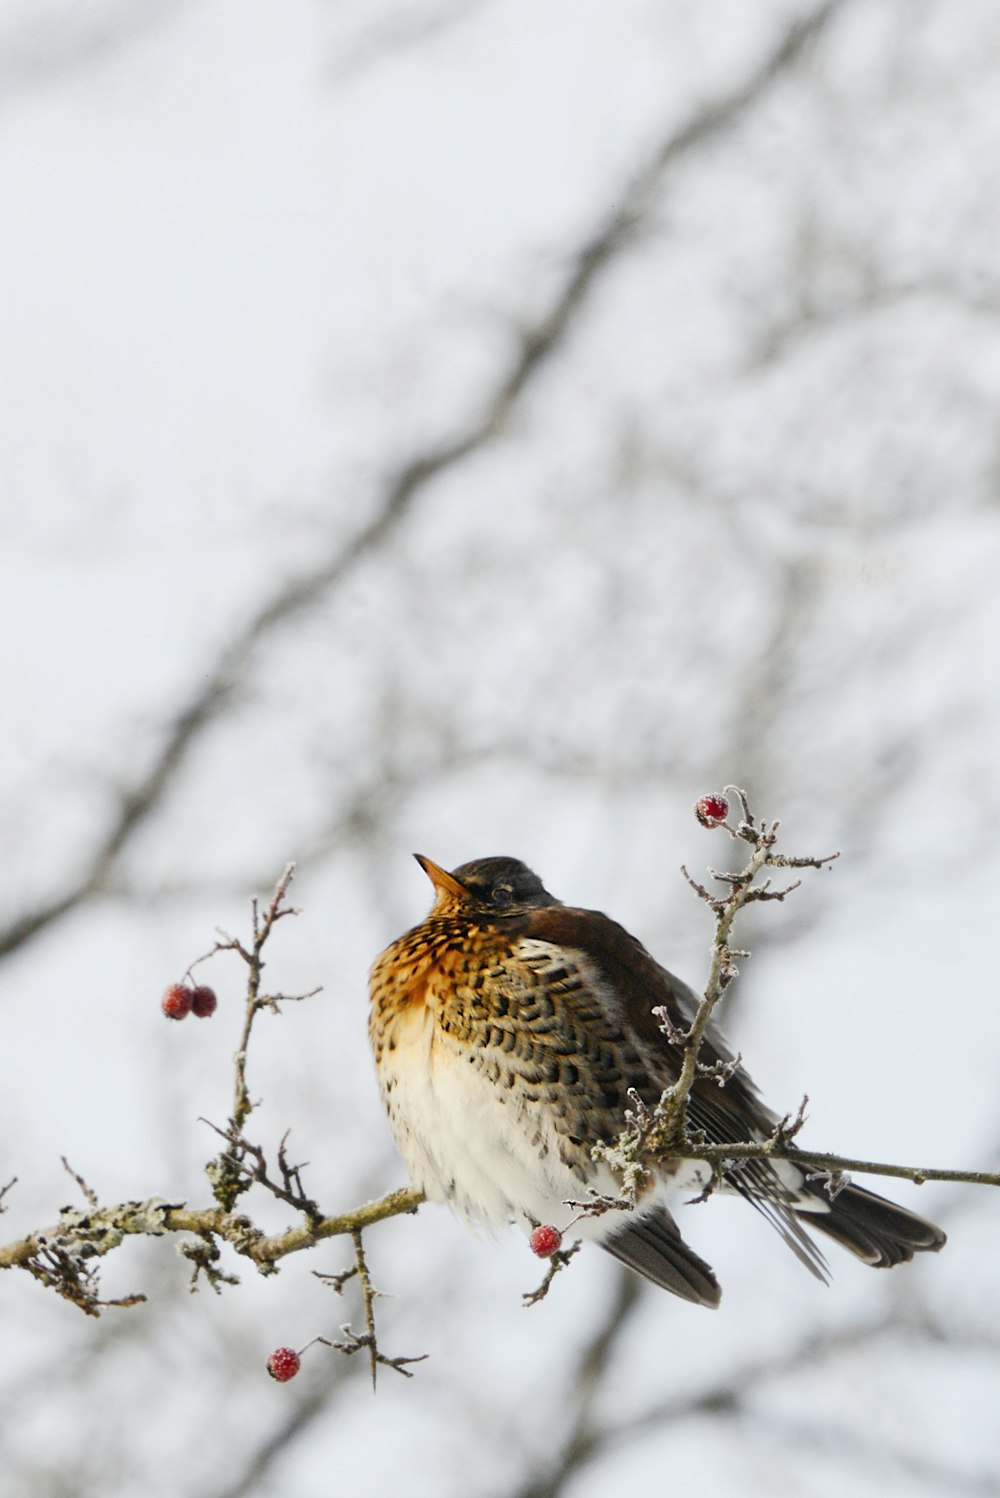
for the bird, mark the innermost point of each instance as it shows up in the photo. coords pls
(512, 1033)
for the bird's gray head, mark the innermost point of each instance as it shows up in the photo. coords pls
(501, 886)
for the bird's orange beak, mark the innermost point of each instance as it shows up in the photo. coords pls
(440, 878)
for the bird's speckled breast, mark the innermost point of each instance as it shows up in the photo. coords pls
(438, 969)
(475, 1065)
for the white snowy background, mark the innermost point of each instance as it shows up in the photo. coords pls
(275, 447)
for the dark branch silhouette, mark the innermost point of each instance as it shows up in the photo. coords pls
(541, 339)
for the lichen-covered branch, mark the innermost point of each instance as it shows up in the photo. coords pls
(66, 1256)
(93, 1234)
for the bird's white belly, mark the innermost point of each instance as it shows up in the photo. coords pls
(467, 1140)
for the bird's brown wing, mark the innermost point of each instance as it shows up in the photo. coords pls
(632, 985)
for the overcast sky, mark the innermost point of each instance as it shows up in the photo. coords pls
(481, 428)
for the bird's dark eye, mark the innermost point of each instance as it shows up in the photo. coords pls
(503, 895)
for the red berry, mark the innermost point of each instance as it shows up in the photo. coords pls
(176, 1002)
(545, 1241)
(203, 1002)
(283, 1364)
(711, 810)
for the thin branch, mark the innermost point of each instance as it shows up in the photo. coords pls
(89, 1195)
(662, 1132)
(857, 1446)
(543, 338)
(369, 1339)
(725, 1395)
(230, 1173)
(242, 1106)
(835, 1164)
(260, 1461)
(289, 1189)
(594, 1365)
(402, 31)
(557, 1263)
(40, 51)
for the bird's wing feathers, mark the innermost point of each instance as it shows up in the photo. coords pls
(652, 1245)
(634, 984)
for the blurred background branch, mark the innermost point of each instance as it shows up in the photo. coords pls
(483, 429)
(539, 341)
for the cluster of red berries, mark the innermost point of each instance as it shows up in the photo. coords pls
(283, 1364)
(711, 810)
(179, 1001)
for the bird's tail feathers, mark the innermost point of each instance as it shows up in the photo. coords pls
(875, 1230)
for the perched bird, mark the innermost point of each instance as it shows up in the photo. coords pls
(507, 1030)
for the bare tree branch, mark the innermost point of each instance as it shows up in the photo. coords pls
(48, 48)
(854, 1446)
(260, 1461)
(544, 337)
(368, 1339)
(587, 1441)
(399, 33)
(592, 1370)
(97, 1233)
(776, 1148)
(663, 1132)
(875, 293)
(67, 1256)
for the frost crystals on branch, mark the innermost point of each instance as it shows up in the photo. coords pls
(368, 1339)
(66, 1256)
(663, 1132)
